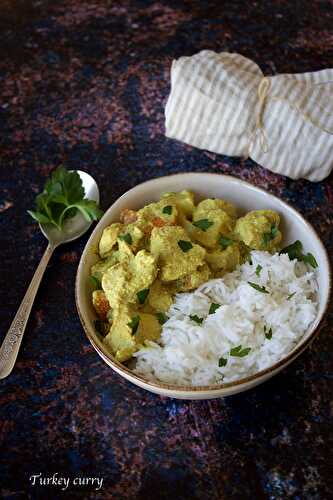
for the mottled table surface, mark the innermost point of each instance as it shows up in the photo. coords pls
(85, 83)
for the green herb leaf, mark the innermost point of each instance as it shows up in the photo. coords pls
(185, 245)
(222, 362)
(126, 237)
(213, 308)
(134, 324)
(142, 295)
(196, 319)
(101, 327)
(267, 237)
(291, 296)
(239, 352)
(268, 333)
(62, 198)
(39, 217)
(259, 288)
(224, 242)
(294, 251)
(203, 224)
(258, 269)
(310, 259)
(95, 282)
(162, 318)
(167, 210)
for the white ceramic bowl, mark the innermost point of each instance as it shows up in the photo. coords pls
(246, 197)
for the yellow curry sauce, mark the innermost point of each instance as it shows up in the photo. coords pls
(164, 248)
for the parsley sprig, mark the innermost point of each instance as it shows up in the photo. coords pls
(239, 351)
(196, 319)
(184, 245)
(142, 295)
(203, 224)
(162, 318)
(134, 324)
(267, 237)
(213, 308)
(268, 332)
(294, 251)
(259, 288)
(126, 237)
(224, 242)
(62, 198)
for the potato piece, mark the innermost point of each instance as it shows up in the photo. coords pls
(174, 262)
(121, 338)
(193, 280)
(101, 304)
(155, 215)
(222, 223)
(123, 281)
(148, 329)
(160, 296)
(258, 229)
(184, 201)
(212, 204)
(109, 239)
(224, 260)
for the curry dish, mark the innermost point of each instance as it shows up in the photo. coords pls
(165, 248)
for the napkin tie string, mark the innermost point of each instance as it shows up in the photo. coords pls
(259, 131)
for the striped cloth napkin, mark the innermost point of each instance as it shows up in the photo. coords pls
(224, 103)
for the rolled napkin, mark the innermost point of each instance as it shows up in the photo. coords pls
(225, 104)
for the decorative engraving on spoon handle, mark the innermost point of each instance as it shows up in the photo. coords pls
(12, 341)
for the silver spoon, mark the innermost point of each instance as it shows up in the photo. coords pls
(73, 228)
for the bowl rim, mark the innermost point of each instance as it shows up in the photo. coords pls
(212, 388)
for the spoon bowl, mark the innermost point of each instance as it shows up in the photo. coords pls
(75, 226)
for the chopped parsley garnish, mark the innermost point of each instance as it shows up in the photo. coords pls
(213, 308)
(222, 362)
(258, 269)
(224, 242)
(167, 210)
(134, 324)
(196, 319)
(239, 352)
(101, 327)
(310, 259)
(142, 295)
(294, 251)
(268, 333)
(95, 282)
(267, 237)
(291, 295)
(203, 224)
(62, 198)
(185, 245)
(126, 237)
(162, 318)
(259, 288)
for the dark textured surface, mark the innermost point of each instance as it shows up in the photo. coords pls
(85, 83)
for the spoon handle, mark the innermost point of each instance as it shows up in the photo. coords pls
(12, 341)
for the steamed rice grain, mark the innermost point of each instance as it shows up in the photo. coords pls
(188, 353)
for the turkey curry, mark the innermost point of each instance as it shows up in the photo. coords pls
(164, 248)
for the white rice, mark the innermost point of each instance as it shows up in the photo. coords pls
(188, 353)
